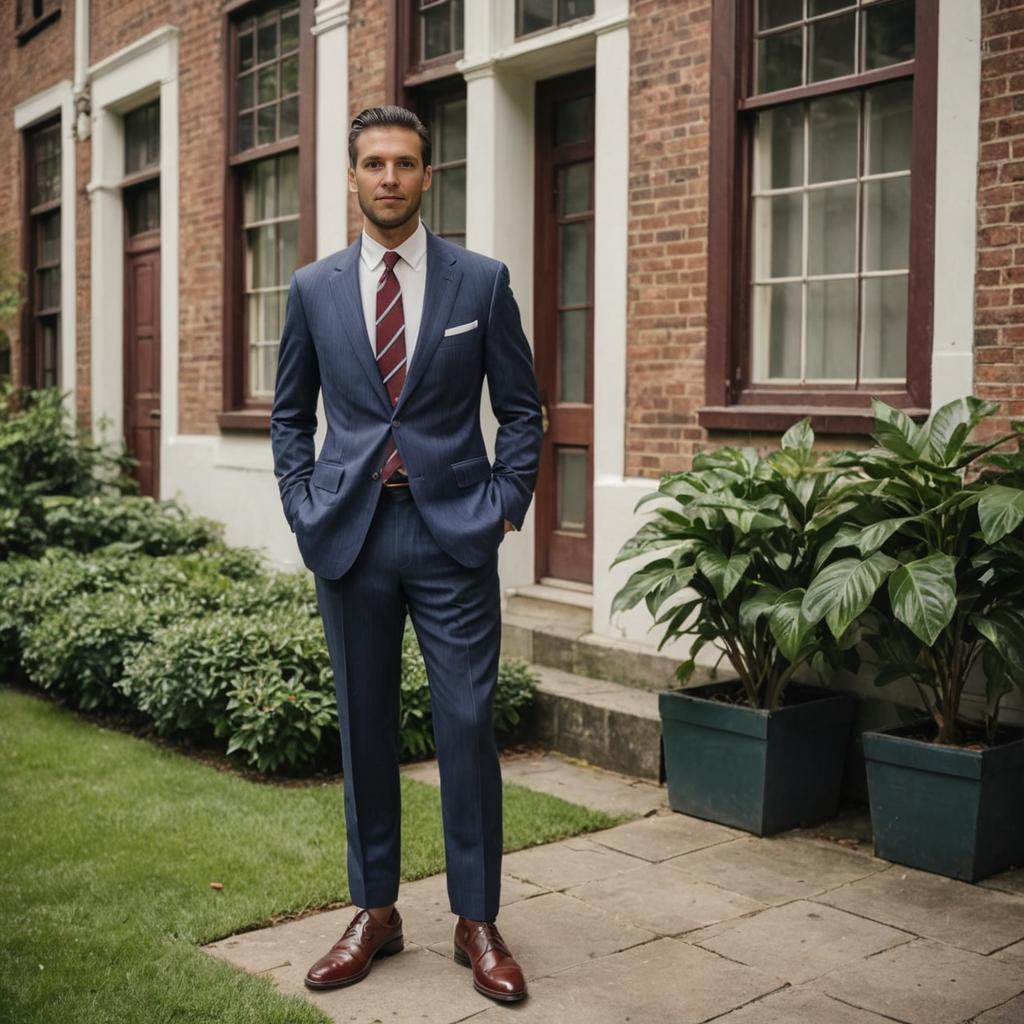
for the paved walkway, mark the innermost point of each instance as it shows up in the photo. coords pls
(673, 919)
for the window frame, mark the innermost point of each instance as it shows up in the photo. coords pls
(732, 400)
(25, 27)
(406, 72)
(32, 357)
(239, 411)
(556, 23)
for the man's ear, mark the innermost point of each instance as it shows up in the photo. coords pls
(352, 187)
(428, 177)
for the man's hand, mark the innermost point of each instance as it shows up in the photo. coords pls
(509, 526)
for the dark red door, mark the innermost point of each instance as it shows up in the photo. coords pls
(564, 324)
(142, 346)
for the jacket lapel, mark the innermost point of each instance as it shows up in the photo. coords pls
(344, 285)
(443, 278)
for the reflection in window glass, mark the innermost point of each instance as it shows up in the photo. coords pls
(538, 15)
(444, 205)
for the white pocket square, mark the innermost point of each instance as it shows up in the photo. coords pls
(461, 329)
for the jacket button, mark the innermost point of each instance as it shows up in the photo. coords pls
(396, 423)
(375, 476)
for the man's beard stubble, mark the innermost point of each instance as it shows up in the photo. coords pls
(371, 215)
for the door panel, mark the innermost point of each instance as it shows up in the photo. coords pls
(564, 323)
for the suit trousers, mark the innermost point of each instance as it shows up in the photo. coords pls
(456, 614)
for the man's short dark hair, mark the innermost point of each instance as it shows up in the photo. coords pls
(388, 117)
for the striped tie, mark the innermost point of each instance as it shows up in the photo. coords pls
(391, 348)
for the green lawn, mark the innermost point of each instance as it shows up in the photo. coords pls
(109, 848)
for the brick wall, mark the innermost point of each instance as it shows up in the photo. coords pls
(999, 294)
(668, 202)
(367, 74)
(25, 70)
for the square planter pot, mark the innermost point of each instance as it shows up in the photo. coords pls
(944, 809)
(762, 771)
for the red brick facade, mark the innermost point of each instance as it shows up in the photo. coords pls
(999, 295)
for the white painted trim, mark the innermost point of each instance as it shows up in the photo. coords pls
(60, 98)
(331, 32)
(956, 189)
(145, 70)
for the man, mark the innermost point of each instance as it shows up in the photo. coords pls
(403, 511)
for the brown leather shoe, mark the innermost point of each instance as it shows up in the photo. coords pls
(351, 957)
(495, 972)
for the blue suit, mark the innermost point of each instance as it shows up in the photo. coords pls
(429, 549)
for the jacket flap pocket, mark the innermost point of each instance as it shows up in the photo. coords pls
(327, 475)
(471, 471)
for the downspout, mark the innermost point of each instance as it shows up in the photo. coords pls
(83, 102)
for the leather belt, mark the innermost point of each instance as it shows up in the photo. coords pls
(397, 480)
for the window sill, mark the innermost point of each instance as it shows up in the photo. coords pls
(244, 419)
(779, 418)
(26, 32)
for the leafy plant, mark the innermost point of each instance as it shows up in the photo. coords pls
(927, 548)
(732, 561)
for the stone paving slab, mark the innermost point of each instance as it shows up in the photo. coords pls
(1014, 952)
(1008, 881)
(802, 940)
(925, 982)
(800, 1006)
(661, 982)
(936, 907)
(659, 899)
(662, 836)
(778, 870)
(578, 783)
(552, 932)
(570, 862)
(1009, 1013)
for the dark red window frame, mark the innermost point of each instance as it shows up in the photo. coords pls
(240, 412)
(732, 400)
(32, 16)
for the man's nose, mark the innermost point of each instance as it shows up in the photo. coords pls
(390, 173)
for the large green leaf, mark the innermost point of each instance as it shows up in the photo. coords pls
(643, 580)
(1000, 511)
(759, 603)
(789, 627)
(897, 432)
(923, 595)
(842, 590)
(872, 537)
(722, 571)
(947, 428)
(1004, 629)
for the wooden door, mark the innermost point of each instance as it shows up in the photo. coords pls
(142, 336)
(564, 323)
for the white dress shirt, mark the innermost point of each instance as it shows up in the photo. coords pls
(411, 271)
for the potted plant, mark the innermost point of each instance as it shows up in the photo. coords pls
(732, 560)
(927, 550)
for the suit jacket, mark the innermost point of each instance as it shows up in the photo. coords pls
(470, 329)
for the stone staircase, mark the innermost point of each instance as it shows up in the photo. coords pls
(596, 697)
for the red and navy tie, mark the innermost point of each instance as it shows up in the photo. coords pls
(390, 347)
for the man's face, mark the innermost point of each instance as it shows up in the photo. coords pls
(389, 177)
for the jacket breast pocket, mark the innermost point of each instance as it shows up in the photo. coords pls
(327, 476)
(471, 471)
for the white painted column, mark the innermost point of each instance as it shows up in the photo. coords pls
(956, 190)
(331, 31)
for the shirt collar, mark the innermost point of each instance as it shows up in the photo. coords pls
(412, 250)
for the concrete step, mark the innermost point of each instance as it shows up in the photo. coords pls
(607, 724)
(561, 602)
(572, 647)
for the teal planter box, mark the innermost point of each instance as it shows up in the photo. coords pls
(945, 809)
(762, 771)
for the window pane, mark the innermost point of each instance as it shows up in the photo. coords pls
(832, 230)
(779, 147)
(572, 489)
(49, 288)
(458, 20)
(246, 54)
(780, 61)
(288, 251)
(773, 13)
(453, 199)
(289, 117)
(435, 29)
(46, 164)
(831, 330)
(778, 236)
(573, 276)
(266, 124)
(572, 356)
(536, 15)
(574, 188)
(777, 315)
(246, 131)
(570, 9)
(142, 138)
(266, 40)
(816, 7)
(885, 327)
(264, 256)
(452, 137)
(833, 137)
(889, 127)
(888, 33)
(290, 75)
(49, 237)
(887, 224)
(246, 92)
(268, 83)
(572, 120)
(832, 47)
(290, 32)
